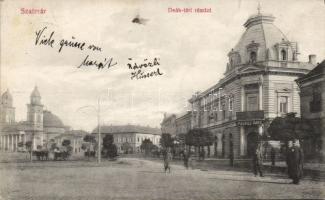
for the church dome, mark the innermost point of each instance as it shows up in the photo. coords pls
(6, 98)
(35, 92)
(35, 97)
(262, 41)
(51, 120)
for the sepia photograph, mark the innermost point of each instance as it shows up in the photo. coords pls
(162, 100)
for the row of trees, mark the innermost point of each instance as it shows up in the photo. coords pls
(109, 149)
(198, 138)
(283, 129)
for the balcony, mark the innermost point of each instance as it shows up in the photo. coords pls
(250, 115)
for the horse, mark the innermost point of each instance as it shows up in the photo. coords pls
(62, 155)
(41, 154)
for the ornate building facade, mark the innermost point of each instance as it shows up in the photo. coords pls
(258, 85)
(40, 127)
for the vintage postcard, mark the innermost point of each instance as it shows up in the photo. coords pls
(162, 100)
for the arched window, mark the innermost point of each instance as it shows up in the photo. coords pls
(283, 55)
(252, 57)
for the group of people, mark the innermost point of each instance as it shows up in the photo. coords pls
(167, 156)
(294, 160)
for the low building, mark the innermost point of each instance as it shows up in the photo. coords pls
(312, 103)
(130, 135)
(75, 137)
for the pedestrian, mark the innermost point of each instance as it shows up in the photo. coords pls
(272, 156)
(231, 158)
(186, 158)
(167, 158)
(202, 154)
(258, 160)
(295, 161)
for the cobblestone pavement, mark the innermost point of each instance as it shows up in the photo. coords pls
(132, 178)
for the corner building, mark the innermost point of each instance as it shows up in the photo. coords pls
(258, 85)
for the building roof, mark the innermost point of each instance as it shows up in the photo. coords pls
(35, 92)
(168, 116)
(183, 114)
(128, 129)
(261, 30)
(6, 98)
(6, 95)
(51, 120)
(319, 70)
(76, 132)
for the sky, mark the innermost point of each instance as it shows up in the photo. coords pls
(192, 50)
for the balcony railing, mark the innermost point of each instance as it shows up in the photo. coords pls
(250, 115)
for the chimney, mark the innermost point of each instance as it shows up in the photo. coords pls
(312, 59)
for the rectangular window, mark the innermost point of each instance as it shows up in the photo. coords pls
(316, 103)
(231, 104)
(252, 102)
(223, 107)
(283, 101)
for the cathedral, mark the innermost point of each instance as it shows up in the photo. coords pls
(40, 127)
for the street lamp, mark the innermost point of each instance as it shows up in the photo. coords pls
(98, 110)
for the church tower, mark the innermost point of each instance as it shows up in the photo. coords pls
(8, 111)
(35, 110)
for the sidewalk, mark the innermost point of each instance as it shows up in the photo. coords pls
(314, 170)
(309, 166)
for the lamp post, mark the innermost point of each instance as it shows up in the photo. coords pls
(98, 110)
(98, 127)
(99, 136)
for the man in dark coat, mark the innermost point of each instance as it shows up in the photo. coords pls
(258, 160)
(273, 156)
(295, 161)
(186, 157)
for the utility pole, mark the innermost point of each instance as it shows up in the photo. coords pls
(99, 142)
(98, 110)
(31, 147)
(0, 66)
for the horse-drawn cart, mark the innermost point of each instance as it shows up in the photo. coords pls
(41, 154)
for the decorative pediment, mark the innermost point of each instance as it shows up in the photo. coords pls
(283, 90)
(249, 69)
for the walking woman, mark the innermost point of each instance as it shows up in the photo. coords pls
(167, 158)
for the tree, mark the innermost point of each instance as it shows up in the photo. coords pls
(126, 147)
(199, 138)
(166, 140)
(89, 146)
(147, 146)
(90, 138)
(109, 148)
(290, 127)
(66, 143)
(53, 146)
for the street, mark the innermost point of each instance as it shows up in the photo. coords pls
(134, 178)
